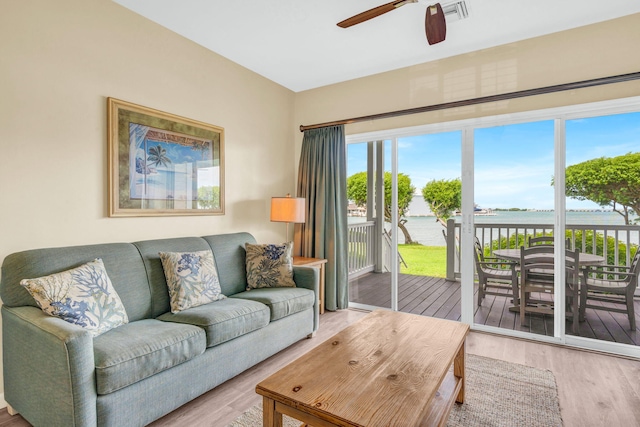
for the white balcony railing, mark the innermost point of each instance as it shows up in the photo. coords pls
(621, 240)
(362, 248)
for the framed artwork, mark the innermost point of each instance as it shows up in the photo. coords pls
(161, 164)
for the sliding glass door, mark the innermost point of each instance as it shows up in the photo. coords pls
(482, 190)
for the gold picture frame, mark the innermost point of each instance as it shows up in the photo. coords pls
(161, 164)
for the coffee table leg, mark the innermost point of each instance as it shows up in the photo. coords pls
(458, 371)
(270, 418)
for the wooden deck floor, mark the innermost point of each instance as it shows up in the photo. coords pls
(437, 297)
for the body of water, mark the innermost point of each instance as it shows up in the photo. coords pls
(427, 231)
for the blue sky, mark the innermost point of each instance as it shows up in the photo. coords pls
(514, 163)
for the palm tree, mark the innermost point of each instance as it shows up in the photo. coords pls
(158, 156)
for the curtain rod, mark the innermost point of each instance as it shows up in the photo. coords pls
(483, 99)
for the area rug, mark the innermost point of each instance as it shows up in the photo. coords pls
(498, 394)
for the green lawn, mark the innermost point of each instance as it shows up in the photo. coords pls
(424, 260)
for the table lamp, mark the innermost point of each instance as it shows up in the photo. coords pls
(288, 209)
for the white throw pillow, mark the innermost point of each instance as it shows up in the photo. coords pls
(83, 296)
(192, 279)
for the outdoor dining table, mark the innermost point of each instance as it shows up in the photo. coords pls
(514, 255)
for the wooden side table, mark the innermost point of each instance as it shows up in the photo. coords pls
(318, 263)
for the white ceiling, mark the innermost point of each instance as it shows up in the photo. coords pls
(297, 44)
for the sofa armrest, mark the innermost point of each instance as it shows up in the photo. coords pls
(48, 368)
(309, 278)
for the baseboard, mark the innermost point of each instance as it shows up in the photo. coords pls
(3, 404)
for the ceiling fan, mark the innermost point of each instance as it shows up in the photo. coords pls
(434, 23)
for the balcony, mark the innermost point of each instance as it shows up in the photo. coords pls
(440, 297)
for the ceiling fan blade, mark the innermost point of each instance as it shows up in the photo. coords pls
(435, 25)
(372, 13)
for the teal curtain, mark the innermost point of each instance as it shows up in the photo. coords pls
(322, 181)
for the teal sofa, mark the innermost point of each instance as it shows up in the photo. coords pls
(57, 374)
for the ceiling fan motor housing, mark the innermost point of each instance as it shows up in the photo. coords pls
(435, 24)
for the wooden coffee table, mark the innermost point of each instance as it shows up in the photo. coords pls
(388, 369)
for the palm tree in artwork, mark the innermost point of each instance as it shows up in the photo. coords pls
(158, 156)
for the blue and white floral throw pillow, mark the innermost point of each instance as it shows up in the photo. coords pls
(269, 266)
(192, 279)
(83, 296)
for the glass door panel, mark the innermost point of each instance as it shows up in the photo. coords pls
(514, 202)
(602, 188)
(369, 235)
(428, 165)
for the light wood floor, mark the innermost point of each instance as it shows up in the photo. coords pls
(594, 389)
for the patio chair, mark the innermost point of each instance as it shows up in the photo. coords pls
(572, 292)
(547, 240)
(537, 277)
(611, 284)
(542, 240)
(495, 277)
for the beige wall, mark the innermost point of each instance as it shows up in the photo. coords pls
(600, 50)
(59, 61)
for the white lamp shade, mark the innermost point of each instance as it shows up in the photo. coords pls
(288, 209)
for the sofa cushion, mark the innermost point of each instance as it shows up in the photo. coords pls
(83, 296)
(192, 279)
(121, 260)
(157, 283)
(281, 301)
(140, 349)
(223, 320)
(269, 266)
(228, 251)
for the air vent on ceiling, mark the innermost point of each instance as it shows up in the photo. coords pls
(455, 11)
